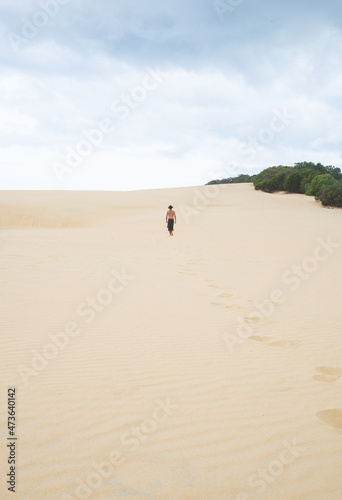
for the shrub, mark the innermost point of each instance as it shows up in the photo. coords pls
(319, 183)
(335, 172)
(307, 175)
(292, 182)
(243, 178)
(233, 180)
(331, 195)
(298, 179)
(272, 179)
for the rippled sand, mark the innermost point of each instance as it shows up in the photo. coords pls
(202, 366)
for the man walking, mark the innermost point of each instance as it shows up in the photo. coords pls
(170, 219)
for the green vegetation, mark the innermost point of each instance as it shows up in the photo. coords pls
(312, 179)
(318, 184)
(234, 180)
(325, 183)
(332, 195)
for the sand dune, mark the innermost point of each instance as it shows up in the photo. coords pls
(202, 366)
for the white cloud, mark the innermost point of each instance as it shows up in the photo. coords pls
(225, 81)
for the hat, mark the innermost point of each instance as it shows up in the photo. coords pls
(170, 207)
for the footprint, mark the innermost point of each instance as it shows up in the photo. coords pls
(325, 378)
(226, 295)
(330, 370)
(186, 270)
(331, 417)
(270, 341)
(215, 286)
(226, 306)
(286, 384)
(254, 319)
(328, 374)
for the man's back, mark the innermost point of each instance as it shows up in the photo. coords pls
(171, 214)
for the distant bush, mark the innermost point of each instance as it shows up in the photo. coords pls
(229, 180)
(272, 179)
(331, 195)
(319, 183)
(292, 182)
(307, 174)
(335, 172)
(306, 177)
(242, 178)
(313, 179)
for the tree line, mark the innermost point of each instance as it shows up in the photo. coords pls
(311, 179)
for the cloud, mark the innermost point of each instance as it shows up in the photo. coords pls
(227, 77)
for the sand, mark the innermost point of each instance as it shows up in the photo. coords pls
(198, 366)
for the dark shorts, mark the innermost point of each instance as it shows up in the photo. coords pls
(170, 224)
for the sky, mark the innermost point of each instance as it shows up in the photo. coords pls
(143, 94)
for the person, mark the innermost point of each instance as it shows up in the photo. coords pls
(170, 219)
